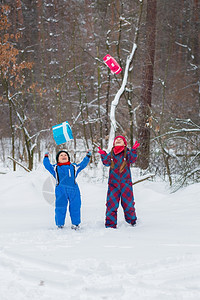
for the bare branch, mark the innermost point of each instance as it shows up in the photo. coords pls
(18, 163)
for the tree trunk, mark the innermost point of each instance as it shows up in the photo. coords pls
(195, 46)
(147, 86)
(5, 86)
(12, 134)
(99, 101)
(107, 91)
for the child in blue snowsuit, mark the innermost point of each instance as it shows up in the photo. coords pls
(67, 189)
(120, 182)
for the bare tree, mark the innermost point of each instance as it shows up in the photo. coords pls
(147, 84)
(11, 69)
(129, 60)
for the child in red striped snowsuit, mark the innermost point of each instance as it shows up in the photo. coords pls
(120, 182)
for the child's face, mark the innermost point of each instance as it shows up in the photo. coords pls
(63, 157)
(119, 142)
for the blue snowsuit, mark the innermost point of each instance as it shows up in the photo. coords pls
(66, 190)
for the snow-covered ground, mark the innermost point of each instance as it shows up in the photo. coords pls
(158, 259)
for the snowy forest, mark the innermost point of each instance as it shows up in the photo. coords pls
(57, 239)
(52, 70)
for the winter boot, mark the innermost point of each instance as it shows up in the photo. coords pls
(75, 227)
(60, 226)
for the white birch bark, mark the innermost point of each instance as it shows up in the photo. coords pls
(117, 98)
(115, 102)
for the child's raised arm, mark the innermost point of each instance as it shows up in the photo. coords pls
(48, 165)
(84, 163)
(133, 152)
(106, 158)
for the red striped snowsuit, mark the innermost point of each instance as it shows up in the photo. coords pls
(120, 186)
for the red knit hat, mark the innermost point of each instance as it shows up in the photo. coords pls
(121, 137)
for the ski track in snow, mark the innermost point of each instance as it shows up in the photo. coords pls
(158, 259)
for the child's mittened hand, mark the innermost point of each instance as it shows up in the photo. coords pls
(46, 153)
(100, 151)
(89, 154)
(136, 145)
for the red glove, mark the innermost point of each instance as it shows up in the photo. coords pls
(101, 151)
(136, 145)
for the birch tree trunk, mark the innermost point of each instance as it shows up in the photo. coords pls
(117, 98)
(147, 85)
(115, 102)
